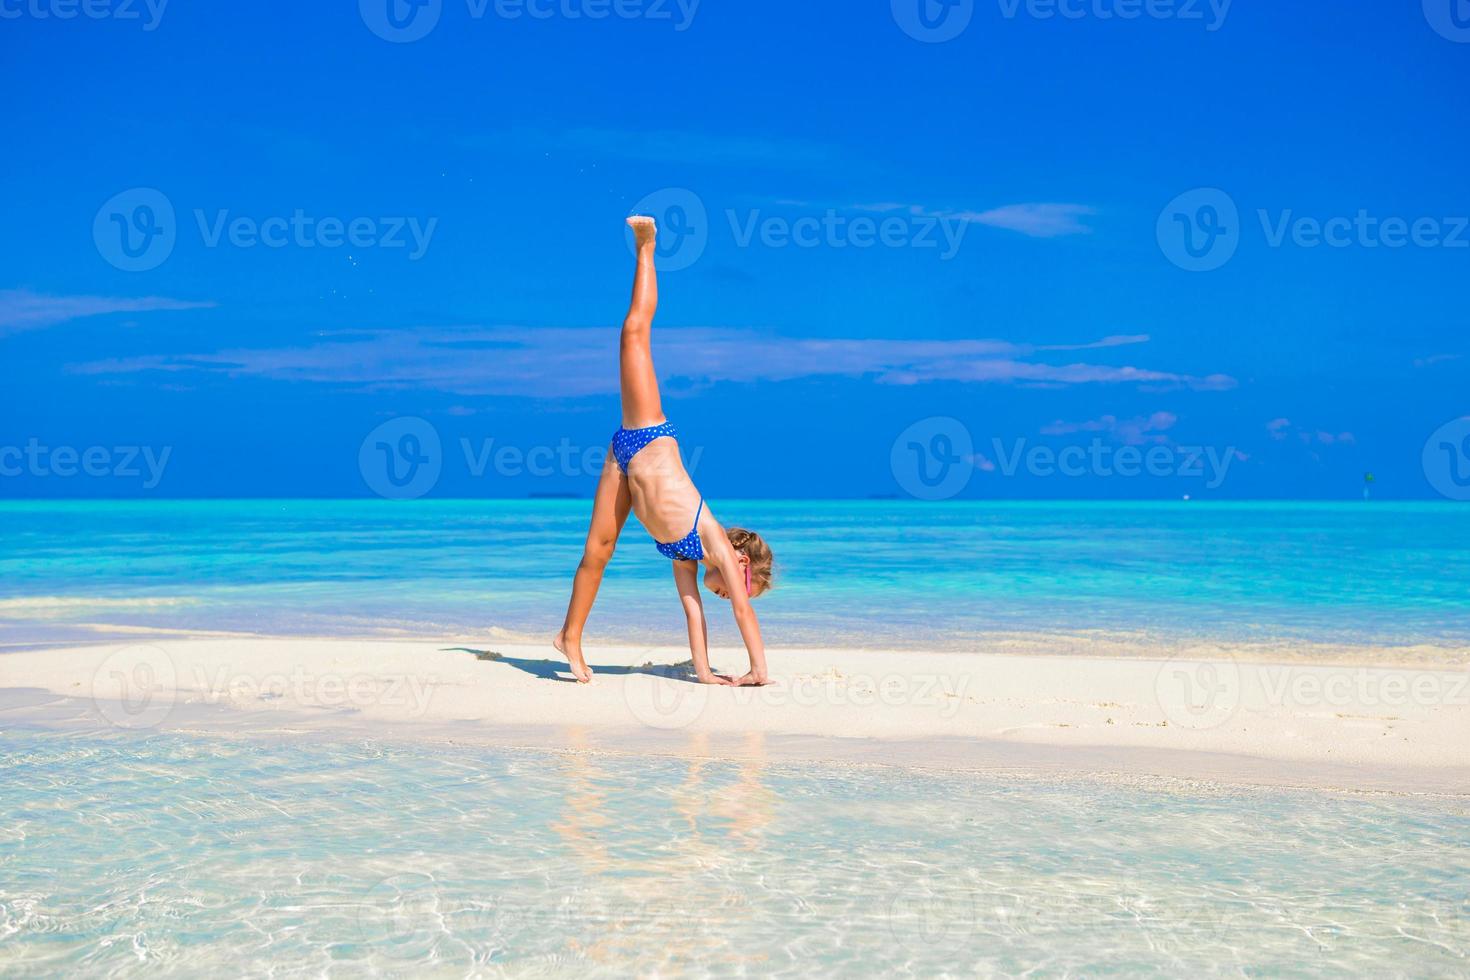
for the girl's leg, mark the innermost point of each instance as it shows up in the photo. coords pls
(641, 403)
(609, 513)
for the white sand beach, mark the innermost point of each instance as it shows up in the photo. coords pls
(1212, 713)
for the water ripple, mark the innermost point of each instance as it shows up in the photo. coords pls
(166, 854)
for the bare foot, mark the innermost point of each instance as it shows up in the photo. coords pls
(573, 653)
(645, 229)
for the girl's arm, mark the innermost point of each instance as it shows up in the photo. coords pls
(686, 577)
(724, 558)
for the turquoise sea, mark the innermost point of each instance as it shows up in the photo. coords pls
(135, 853)
(862, 573)
(145, 855)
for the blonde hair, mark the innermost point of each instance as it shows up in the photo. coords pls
(754, 547)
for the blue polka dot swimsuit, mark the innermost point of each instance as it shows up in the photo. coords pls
(689, 547)
(626, 444)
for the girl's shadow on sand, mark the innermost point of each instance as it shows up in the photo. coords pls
(553, 670)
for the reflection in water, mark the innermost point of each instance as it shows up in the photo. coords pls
(663, 895)
(206, 856)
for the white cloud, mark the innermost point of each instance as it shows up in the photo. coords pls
(1035, 220)
(1136, 431)
(1280, 429)
(559, 362)
(1117, 340)
(21, 309)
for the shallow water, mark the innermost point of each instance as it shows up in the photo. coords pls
(130, 855)
(860, 573)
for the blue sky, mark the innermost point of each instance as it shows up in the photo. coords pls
(897, 232)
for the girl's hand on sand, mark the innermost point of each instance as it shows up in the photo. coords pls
(752, 680)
